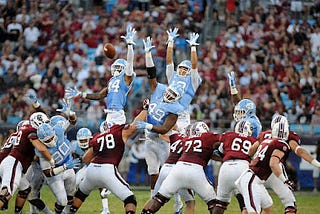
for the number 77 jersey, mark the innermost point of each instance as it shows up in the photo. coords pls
(108, 147)
(198, 149)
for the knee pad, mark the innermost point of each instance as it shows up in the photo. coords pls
(290, 209)
(38, 203)
(24, 193)
(221, 204)
(130, 200)
(58, 208)
(160, 198)
(211, 204)
(80, 195)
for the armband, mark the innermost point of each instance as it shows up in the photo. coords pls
(276, 157)
(282, 178)
(170, 44)
(57, 170)
(36, 104)
(315, 163)
(52, 162)
(193, 48)
(298, 147)
(152, 72)
(84, 95)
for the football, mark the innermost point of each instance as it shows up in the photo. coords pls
(109, 50)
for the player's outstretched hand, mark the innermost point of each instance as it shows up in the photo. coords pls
(66, 106)
(33, 100)
(193, 37)
(172, 34)
(71, 93)
(143, 125)
(129, 37)
(232, 79)
(148, 44)
(74, 163)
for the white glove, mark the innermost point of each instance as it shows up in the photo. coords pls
(172, 34)
(148, 44)
(193, 37)
(129, 37)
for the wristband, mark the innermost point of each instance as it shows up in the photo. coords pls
(234, 91)
(170, 44)
(84, 95)
(149, 126)
(193, 48)
(58, 170)
(282, 178)
(298, 147)
(36, 104)
(52, 162)
(315, 163)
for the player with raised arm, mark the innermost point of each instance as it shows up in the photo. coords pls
(234, 148)
(265, 162)
(188, 173)
(104, 155)
(284, 193)
(187, 76)
(161, 117)
(15, 165)
(115, 94)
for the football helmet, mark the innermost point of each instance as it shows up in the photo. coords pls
(279, 118)
(105, 126)
(244, 127)
(171, 94)
(38, 118)
(58, 119)
(47, 135)
(183, 69)
(187, 130)
(83, 137)
(280, 130)
(118, 66)
(245, 108)
(22, 123)
(199, 128)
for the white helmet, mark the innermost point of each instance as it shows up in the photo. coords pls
(38, 118)
(280, 130)
(199, 128)
(105, 126)
(83, 137)
(243, 127)
(279, 118)
(187, 130)
(22, 123)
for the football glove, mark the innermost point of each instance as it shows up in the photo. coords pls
(129, 37)
(72, 164)
(232, 82)
(143, 125)
(148, 44)
(193, 37)
(71, 93)
(66, 107)
(34, 100)
(172, 34)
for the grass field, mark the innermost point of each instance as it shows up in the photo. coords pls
(308, 203)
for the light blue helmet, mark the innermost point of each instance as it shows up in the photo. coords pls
(118, 66)
(184, 64)
(47, 135)
(172, 93)
(255, 124)
(245, 108)
(58, 119)
(83, 137)
(244, 127)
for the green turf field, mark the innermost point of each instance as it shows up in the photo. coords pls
(308, 203)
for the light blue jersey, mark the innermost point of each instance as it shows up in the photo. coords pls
(117, 92)
(61, 153)
(75, 149)
(159, 110)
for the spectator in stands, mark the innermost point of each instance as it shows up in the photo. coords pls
(316, 170)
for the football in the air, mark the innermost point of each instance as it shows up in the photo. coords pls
(109, 50)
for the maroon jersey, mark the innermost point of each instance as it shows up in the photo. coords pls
(6, 148)
(23, 150)
(236, 146)
(292, 136)
(108, 147)
(176, 147)
(198, 149)
(260, 164)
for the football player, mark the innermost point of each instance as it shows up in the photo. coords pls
(115, 94)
